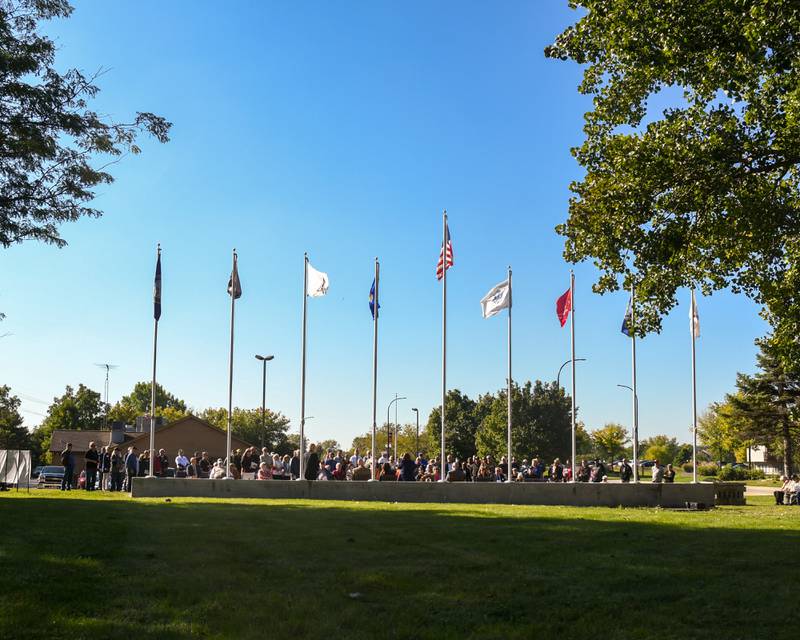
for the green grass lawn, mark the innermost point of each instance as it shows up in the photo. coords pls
(106, 566)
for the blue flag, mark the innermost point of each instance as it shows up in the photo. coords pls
(157, 289)
(627, 321)
(372, 300)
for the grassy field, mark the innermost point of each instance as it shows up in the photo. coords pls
(106, 566)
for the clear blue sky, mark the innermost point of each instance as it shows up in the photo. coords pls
(341, 129)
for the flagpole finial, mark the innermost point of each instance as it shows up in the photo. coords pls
(159, 247)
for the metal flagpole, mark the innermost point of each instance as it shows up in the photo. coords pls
(510, 303)
(443, 460)
(572, 340)
(151, 473)
(375, 365)
(394, 429)
(635, 394)
(303, 372)
(229, 461)
(693, 327)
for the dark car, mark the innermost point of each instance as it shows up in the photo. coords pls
(35, 473)
(50, 476)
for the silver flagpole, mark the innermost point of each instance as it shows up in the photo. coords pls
(443, 460)
(375, 366)
(572, 340)
(510, 303)
(694, 392)
(635, 394)
(303, 373)
(229, 461)
(151, 472)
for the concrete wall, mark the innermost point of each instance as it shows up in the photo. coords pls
(578, 494)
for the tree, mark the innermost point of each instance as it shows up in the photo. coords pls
(137, 403)
(463, 418)
(49, 137)
(767, 406)
(13, 435)
(247, 425)
(74, 411)
(540, 426)
(719, 432)
(406, 441)
(661, 448)
(609, 442)
(707, 195)
(583, 440)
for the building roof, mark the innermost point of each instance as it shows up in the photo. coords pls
(144, 436)
(80, 439)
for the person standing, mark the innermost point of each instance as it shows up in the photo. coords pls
(312, 463)
(91, 460)
(669, 474)
(658, 472)
(104, 468)
(181, 462)
(68, 462)
(131, 467)
(625, 471)
(116, 465)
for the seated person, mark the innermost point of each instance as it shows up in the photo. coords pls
(264, 472)
(781, 494)
(361, 472)
(387, 473)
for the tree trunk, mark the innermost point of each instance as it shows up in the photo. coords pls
(788, 449)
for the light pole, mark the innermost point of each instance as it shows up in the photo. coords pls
(388, 424)
(264, 360)
(415, 410)
(635, 431)
(558, 377)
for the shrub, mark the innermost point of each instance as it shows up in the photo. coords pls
(707, 469)
(733, 473)
(688, 467)
(756, 474)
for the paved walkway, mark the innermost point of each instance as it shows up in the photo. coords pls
(759, 491)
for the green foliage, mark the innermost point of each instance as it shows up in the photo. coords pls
(137, 403)
(688, 467)
(13, 435)
(583, 440)
(661, 448)
(463, 419)
(49, 137)
(406, 440)
(609, 442)
(729, 473)
(707, 470)
(247, 425)
(719, 432)
(766, 409)
(683, 454)
(704, 194)
(76, 410)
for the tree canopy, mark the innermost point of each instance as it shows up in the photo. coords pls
(50, 138)
(13, 435)
(137, 403)
(705, 193)
(247, 425)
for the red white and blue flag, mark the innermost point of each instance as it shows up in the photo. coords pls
(445, 256)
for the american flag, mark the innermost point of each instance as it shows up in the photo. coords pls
(440, 265)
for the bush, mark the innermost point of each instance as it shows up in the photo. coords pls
(707, 469)
(688, 467)
(733, 473)
(757, 474)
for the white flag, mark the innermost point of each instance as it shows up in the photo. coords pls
(694, 319)
(317, 283)
(496, 300)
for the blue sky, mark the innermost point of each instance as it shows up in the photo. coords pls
(341, 129)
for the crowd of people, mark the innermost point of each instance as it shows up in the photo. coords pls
(111, 469)
(789, 493)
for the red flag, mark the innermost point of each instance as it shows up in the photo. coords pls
(564, 306)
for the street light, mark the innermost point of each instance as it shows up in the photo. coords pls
(558, 377)
(415, 410)
(264, 360)
(388, 423)
(635, 431)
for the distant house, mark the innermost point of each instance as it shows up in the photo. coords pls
(762, 458)
(190, 434)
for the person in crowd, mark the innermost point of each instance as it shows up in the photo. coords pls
(567, 477)
(669, 474)
(234, 472)
(264, 472)
(483, 475)
(340, 471)
(793, 490)
(161, 468)
(598, 472)
(456, 473)
(237, 461)
(323, 473)
(658, 472)
(181, 462)
(355, 458)
(499, 474)
(312, 463)
(584, 472)
(192, 469)
(387, 473)
(556, 471)
(520, 477)
(467, 471)
(68, 462)
(361, 472)
(144, 463)
(131, 467)
(248, 471)
(91, 460)
(104, 468)
(780, 494)
(408, 470)
(265, 456)
(429, 475)
(625, 471)
(116, 466)
(204, 466)
(218, 470)
(287, 467)
(294, 465)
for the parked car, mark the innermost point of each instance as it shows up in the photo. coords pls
(35, 473)
(49, 476)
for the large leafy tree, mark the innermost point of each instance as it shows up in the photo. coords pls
(51, 141)
(705, 193)
(661, 447)
(767, 405)
(721, 433)
(137, 403)
(13, 435)
(77, 409)
(247, 425)
(609, 441)
(540, 426)
(461, 426)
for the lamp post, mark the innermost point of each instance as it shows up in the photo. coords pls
(264, 360)
(558, 377)
(635, 431)
(415, 410)
(388, 427)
